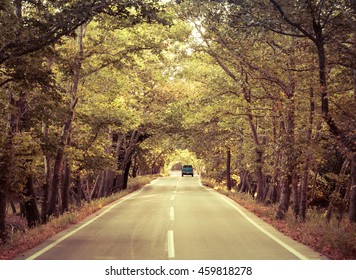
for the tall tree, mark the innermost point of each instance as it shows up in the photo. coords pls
(322, 23)
(31, 27)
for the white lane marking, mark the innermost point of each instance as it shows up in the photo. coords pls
(270, 235)
(170, 237)
(50, 246)
(173, 197)
(171, 213)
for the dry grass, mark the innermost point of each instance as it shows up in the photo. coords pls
(23, 239)
(335, 242)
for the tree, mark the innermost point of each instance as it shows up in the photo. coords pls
(323, 24)
(230, 32)
(32, 30)
(51, 20)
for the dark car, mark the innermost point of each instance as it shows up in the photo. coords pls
(187, 170)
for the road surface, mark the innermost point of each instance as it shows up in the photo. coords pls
(172, 218)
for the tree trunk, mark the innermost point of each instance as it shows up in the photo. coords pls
(258, 160)
(6, 159)
(67, 126)
(94, 192)
(228, 169)
(305, 175)
(32, 214)
(125, 149)
(57, 169)
(45, 190)
(354, 80)
(296, 195)
(312, 197)
(336, 192)
(284, 201)
(101, 184)
(65, 188)
(109, 182)
(245, 184)
(304, 189)
(5, 165)
(290, 161)
(352, 209)
(340, 135)
(13, 207)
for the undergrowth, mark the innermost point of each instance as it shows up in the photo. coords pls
(334, 241)
(23, 239)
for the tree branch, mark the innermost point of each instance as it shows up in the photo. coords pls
(292, 23)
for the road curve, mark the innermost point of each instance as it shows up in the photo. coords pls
(172, 218)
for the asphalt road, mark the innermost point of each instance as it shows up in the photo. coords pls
(172, 218)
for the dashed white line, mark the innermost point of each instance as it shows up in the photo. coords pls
(171, 213)
(170, 242)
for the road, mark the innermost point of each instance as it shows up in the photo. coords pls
(172, 218)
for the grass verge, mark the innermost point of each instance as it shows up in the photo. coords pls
(333, 241)
(26, 239)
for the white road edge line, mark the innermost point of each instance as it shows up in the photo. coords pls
(50, 246)
(170, 242)
(280, 242)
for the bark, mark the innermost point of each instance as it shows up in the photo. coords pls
(304, 189)
(244, 184)
(354, 80)
(352, 209)
(228, 169)
(296, 195)
(135, 166)
(109, 182)
(312, 197)
(306, 167)
(57, 169)
(258, 160)
(95, 190)
(32, 214)
(30, 203)
(5, 166)
(101, 184)
(336, 192)
(340, 135)
(5, 171)
(13, 207)
(47, 179)
(65, 188)
(284, 200)
(125, 149)
(290, 165)
(272, 193)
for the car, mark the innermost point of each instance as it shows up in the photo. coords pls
(187, 169)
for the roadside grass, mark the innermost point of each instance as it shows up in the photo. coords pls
(23, 239)
(337, 242)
